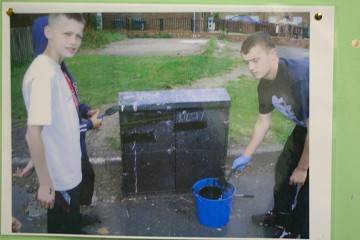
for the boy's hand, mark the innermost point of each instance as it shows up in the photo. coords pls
(46, 196)
(26, 171)
(241, 162)
(298, 177)
(91, 112)
(95, 120)
(15, 225)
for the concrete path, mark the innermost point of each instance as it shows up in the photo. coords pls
(151, 47)
(159, 215)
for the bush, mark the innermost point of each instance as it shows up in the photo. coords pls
(96, 39)
(210, 47)
(224, 34)
(146, 35)
(163, 35)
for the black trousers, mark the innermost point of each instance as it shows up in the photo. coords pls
(65, 218)
(87, 182)
(288, 199)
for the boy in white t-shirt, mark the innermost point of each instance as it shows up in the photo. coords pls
(52, 132)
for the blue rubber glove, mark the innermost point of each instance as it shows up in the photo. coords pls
(241, 162)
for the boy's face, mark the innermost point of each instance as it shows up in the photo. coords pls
(64, 37)
(260, 61)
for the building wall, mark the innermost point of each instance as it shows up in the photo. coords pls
(264, 16)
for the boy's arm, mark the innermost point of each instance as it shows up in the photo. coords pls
(299, 174)
(83, 110)
(46, 192)
(261, 127)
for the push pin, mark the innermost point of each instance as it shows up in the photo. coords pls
(10, 12)
(355, 43)
(318, 16)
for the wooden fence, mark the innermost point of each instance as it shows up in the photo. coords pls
(186, 24)
(21, 44)
(153, 24)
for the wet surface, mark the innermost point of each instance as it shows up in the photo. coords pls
(160, 214)
(210, 192)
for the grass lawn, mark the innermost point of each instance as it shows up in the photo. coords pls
(100, 83)
(244, 112)
(100, 78)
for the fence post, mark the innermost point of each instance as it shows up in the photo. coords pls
(161, 24)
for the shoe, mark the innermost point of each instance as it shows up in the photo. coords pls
(289, 235)
(271, 219)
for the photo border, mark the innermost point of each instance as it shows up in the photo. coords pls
(321, 95)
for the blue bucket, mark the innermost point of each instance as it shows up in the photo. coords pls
(213, 213)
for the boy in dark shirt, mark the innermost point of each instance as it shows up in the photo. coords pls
(284, 85)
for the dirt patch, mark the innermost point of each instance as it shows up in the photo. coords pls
(105, 142)
(151, 47)
(221, 80)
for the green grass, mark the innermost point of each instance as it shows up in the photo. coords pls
(100, 78)
(146, 35)
(100, 83)
(18, 113)
(96, 39)
(244, 112)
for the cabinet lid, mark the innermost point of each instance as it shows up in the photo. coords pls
(173, 99)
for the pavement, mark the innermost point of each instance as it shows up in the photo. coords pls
(159, 215)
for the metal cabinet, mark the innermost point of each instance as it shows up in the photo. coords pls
(170, 139)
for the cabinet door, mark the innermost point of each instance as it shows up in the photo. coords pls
(201, 145)
(148, 155)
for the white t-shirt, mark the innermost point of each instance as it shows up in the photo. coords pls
(49, 103)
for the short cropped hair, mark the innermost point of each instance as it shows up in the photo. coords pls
(255, 39)
(53, 17)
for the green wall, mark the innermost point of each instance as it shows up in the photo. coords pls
(346, 114)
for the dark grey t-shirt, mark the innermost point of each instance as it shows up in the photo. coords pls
(288, 92)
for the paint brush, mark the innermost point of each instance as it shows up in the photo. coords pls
(110, 111)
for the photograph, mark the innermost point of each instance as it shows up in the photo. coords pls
(162, 123)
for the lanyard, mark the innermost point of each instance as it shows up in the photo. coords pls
(72, 90)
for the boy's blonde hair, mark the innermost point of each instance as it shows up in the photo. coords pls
(53, 17)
